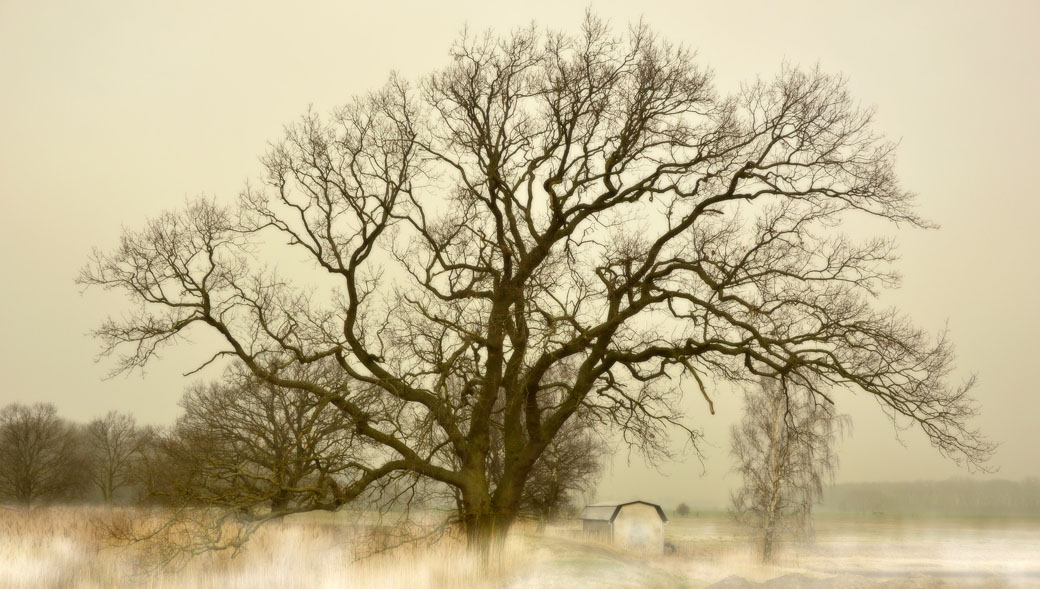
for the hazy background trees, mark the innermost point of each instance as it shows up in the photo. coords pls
(547, 200)
(784, 450)
(41, 455)
(999, 497)
(251, 447)
(45, 458)
(114, 442)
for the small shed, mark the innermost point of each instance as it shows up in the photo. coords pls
(637, 526)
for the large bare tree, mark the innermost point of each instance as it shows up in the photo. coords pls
(40, 456)
(114, 441)
(570, 465)
(547, 199)
(784, 450)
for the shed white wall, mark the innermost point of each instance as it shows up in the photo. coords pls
(638, 528)
(597, 529)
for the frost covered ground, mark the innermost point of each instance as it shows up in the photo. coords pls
(869, 551)
(59, 547)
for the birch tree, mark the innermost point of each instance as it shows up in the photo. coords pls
(784, 452)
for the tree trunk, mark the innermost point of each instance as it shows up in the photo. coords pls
(110, 486)
(280, 500)
(107, 492)
(486, 526)
(486, 535)
(767, 540)
(769, 531)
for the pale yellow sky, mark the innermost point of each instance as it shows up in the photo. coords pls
(113, 111)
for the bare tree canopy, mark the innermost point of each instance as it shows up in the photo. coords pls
(784, 451)
(114, 441)
(550, 200)
(40, 459)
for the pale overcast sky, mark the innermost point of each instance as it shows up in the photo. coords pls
(111, 112)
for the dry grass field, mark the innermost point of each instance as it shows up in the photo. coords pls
(62, 547)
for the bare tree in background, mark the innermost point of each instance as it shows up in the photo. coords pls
(784, 452)
(243, 453)
(570, 466)
(257, 449)
(114, 442)
(585, 200)
(40, 458)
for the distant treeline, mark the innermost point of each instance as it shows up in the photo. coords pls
(949, 497)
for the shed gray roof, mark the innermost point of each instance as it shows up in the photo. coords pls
(609, 511)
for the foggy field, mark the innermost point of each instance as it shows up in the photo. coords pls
(60, 547)
(866, 550)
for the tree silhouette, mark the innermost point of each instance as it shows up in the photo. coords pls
(40, 455)
(549, 200)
